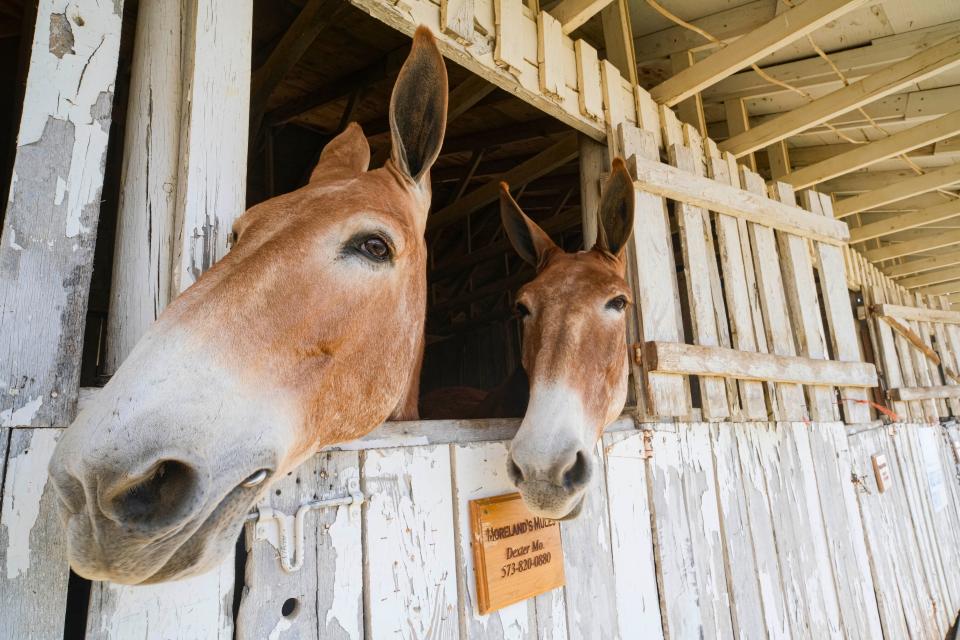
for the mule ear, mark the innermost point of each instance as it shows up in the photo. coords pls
(418, 108)
(530, 241)
(615, 216)
(346, 155)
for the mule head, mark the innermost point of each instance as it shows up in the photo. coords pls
(573, 315)
(308, 332)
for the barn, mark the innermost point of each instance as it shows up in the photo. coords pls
(788, 463)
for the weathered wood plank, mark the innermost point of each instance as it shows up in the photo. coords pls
(804, 308)
(410, 570)
(673, 183)
(590, 595)
(456, 19)
(50, 228)
(33, 550)
(327, 592)
(480, 471)
(590, 96)
(637, 604)
(830, 456)
(550, 54)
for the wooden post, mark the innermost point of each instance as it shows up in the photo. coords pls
(184, 183)
(46, 260)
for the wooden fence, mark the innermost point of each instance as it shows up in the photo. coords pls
(695, 530)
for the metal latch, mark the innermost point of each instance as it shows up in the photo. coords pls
(279, 528)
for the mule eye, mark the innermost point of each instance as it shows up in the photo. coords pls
(521, 310)
(618, 304)
(375, 248)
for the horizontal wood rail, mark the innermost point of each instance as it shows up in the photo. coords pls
(678, 358)
(915, 313)
(670, 182)
(906, 394)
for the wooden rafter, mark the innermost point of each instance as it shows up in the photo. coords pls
(903, 222)
(863, 155)
(928, 242)
(314, 17)
(944, 288)
(923, 265)
(763, 40)
(541, 164)
(931, 277)
(572, 14)
(899, 190)
(924, 64)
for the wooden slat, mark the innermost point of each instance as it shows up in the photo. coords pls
(588, 565)
(841, 328)
(50, 226)
(33, 558)
(508, 53)
(328, 589)
(694, 229)
(590, 94)
(672, 357)
(456, 19)
(804, 308)
(867, 154)
(406, 528)
(899, 190)
(558, 154)
(926, 242)
(884, 346)
(637, 604)
(903, 222)
(765, 39)
(789, 398)
(904, 394)
(735, 266)
(669, 182)
(738, 121)
(572, 14)
(925, 64)
(904, 312)
(614, 110)
(947, 349)
(550, 54)
(480, 472)
(656, 281)
(913, 364)
(690, 110)
(618, 39)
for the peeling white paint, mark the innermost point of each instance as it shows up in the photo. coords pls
(347, 582)
(26, 480)
(13, 240)
(282, 625)
(22, 417)
(60, 191)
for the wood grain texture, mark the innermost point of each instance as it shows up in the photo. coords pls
(50, 226)
(328, 590)
(33, 553)
(410, 570)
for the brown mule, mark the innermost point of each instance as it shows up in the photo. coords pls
(574, 354)
(309, 332)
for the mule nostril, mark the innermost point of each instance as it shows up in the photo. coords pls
(514, 472)
(165, 495)
(577, 474)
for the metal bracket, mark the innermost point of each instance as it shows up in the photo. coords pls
(281, 529)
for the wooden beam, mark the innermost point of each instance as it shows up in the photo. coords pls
(920, 66)
(314, 17)
(466, 95)
(903, 222)
(927, 242)
(678, 358)
(931, 277)
(814, 71)
(898, 191)
(573, 14)
(913, 338)
(669, 182)
(941, 289)
(724, 25)
(784, 28)
(867, 154)
(906, 394)
(691, 109)
(541, 164)
(618, 39)
(778, 156)
(738, 121)
(920, 314)
(922, 265)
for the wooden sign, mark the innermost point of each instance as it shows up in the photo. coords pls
(882, 471)
(516, 554)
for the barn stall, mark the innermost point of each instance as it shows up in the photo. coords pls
(788, 463)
